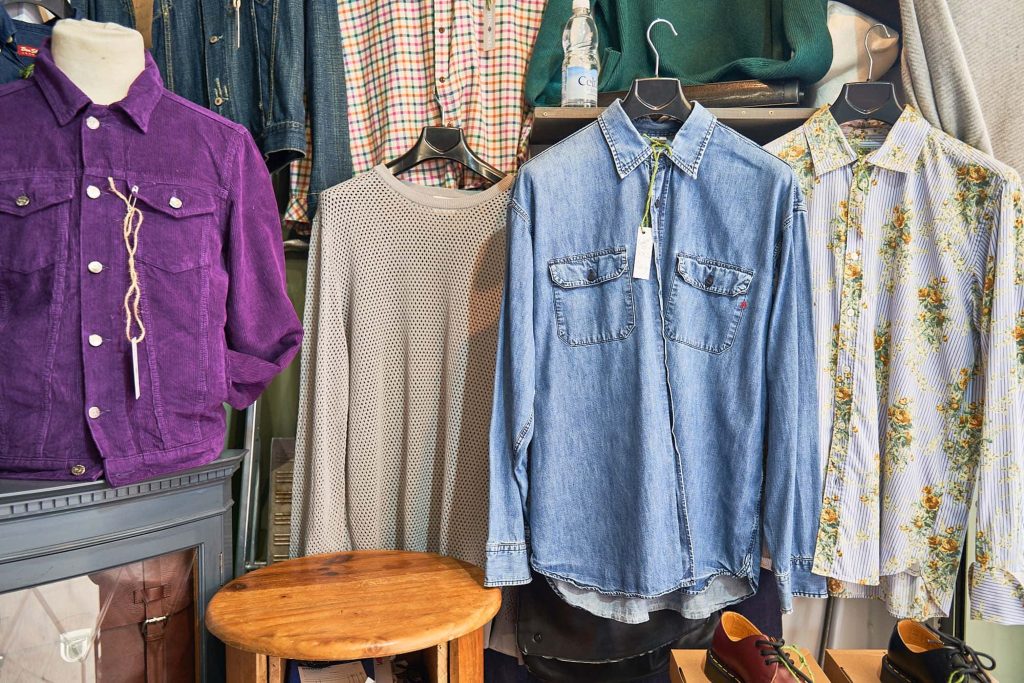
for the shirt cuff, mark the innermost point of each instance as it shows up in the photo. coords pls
(997, 595)
(248, 375)
(801, 581)
(508, 564)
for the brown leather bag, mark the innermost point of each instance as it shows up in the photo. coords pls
(147, 630)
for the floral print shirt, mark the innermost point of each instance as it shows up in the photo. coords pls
(917, 259)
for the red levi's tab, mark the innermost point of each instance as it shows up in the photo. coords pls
(27, 51)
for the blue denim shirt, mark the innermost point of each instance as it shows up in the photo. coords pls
(650, 435)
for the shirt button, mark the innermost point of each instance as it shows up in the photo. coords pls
(22, 200)
(92, 122)
(93, 192)
(94, 412)
(214, 39)
(657, 203)
(95, 267)
(591, 275)
(174, 202)
(78, 470)
(441, 30)
(218, 100)
(709, 280)
(442, 79)
(95, 340)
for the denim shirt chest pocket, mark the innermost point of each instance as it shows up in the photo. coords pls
(707, 301)
(593, 297)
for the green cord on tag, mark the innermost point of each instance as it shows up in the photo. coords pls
(27, 71)
(659, 147)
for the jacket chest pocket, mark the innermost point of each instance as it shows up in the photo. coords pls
(707, 302)
(593, 297)
(33, 223)
(176, 227)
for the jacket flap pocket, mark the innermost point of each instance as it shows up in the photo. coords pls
(714, 276)
(584, 270)
(176, 201)
(24, 196)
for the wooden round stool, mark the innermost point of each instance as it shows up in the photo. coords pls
(369, 603)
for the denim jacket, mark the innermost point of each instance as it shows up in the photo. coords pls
(650, 435)
(253, 76)
(19, 44)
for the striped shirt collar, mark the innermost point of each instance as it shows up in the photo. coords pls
(831, 150)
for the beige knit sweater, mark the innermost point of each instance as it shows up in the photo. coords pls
(402, 299)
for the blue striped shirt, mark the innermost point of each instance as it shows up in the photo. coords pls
(917, 260)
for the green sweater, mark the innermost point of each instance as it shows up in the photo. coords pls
(719, 40)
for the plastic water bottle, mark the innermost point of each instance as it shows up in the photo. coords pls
(580, 67)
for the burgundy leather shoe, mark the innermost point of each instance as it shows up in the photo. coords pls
(741, 654)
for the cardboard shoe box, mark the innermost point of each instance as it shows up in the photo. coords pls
(687, 666)
(853, 666)
(857, 666)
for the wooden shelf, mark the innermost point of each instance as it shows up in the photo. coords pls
(762, 125)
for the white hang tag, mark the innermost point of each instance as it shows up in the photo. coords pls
(644, 250)
(135, 368)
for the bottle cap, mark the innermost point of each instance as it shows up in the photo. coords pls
(580, 4)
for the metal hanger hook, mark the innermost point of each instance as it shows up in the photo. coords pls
(871, 57)
(657, 57)
(440, 106)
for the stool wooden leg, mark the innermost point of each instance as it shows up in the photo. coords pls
(435, 659)
(277, 668)
(249, 667)
(466, 658)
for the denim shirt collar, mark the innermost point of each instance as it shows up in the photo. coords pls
(629, 149)
(67, 101)
(899, 152)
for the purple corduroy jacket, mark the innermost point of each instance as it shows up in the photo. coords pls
(209, 267)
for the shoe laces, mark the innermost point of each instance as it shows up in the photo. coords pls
(972, 665)
(777, 652)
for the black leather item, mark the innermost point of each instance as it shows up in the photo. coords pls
(564, 644)
(935, 658)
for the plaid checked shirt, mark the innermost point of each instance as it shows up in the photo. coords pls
(415, 63)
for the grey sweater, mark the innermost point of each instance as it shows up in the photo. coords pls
(404, 286)
(962, 70)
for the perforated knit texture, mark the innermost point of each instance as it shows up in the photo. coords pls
(402, 302)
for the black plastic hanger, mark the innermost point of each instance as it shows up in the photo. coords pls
(442, 142)
(657, 96)
(59, 8)
(867, 100)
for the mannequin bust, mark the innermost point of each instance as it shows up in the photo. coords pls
(103, 60)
